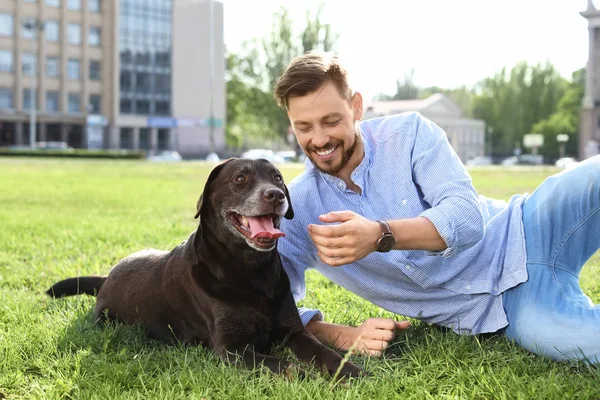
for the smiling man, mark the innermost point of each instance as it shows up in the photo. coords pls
(386, 209)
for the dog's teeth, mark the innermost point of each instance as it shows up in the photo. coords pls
(245, 222)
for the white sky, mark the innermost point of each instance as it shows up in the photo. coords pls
(448, 43)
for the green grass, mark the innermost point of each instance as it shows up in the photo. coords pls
(60, 218)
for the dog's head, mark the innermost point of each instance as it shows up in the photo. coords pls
(244, 200)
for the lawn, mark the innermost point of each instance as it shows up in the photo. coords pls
(61, 218)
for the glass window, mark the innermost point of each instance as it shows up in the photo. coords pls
(52, 69)
(29, 62)
(125, 106)
(95, 70)
(94, 106)
(73, 68)
(6, 25)
(142, 107)
(6, 61)
(27, 95)
(163, 108)
(74, 4)
(74, 33)
(94, 36)
(53, 3)
(6, 98)
(94, 5)
(52, 101)
(29, 28)
(51, 30)
(74, 102)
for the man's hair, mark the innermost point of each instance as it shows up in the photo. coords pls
(308, 73)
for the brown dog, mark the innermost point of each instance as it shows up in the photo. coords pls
(224, 287)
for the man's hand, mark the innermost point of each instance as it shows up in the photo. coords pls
(354, 238)
(372, 337)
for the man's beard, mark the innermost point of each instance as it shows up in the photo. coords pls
(327, 166)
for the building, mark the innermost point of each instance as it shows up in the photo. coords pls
(115, 74)
(467, 136)
(589, 127)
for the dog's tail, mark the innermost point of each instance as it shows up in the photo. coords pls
(80, 285)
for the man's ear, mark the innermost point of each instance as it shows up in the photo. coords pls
(206, 192)
(289, 214)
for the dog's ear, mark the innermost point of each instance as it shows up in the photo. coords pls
(289, 214)
(211, 178)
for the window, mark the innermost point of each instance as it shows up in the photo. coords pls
(52, 101)
(52, 31)
(29, 61)
(53, 3)
(6, 98)
(74, 4)
(6, 61)
(94, 5)
(74, 33)
(52, 67)
(126, 81)
(27, 104)
(94, 36)
(142, 107)
(125, 106)
(74, 102)
(6, 25)
(29, 28)
(143, 82)
(162, 108)
(73, 68)
(94, 106)
(163, 83)
(95, 70)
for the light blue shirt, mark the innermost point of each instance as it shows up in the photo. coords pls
(409, 170)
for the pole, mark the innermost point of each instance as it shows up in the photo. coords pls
(211, 47)
(32, 89)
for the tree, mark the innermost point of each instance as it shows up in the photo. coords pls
(565, 120)
(511, 103)
(253, 74)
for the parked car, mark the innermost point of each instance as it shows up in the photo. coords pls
(566, 162)
(267, 154)
(480, 160)
(165, 156)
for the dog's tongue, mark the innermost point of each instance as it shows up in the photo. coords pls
(263, 227)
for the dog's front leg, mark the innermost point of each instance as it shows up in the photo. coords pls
(309, 349)
(248, 358)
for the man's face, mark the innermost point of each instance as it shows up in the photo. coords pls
(324, 124)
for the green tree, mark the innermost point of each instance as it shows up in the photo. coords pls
(253, 74)
(512, 102)
(565, 120)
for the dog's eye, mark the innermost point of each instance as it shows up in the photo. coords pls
(240, 179)
(278, 179)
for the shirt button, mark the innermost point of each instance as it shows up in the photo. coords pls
(468, 287)
(407, 266)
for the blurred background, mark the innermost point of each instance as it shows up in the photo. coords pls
(511, 82)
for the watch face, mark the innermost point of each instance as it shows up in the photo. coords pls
(386, 243)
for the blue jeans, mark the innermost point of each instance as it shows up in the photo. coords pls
(549, 314)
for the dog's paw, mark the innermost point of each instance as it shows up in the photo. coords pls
(350, 370)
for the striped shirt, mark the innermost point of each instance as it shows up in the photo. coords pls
(409, 170)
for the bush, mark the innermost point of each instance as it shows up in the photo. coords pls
(77, 153)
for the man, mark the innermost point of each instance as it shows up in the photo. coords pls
(386, 209)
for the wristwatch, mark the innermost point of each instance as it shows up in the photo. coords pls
(387, 241)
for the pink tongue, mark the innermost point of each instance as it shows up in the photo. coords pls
(263, 227)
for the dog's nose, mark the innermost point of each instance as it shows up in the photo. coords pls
(274, 195)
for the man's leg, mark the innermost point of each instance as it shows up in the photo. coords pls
(549, 314)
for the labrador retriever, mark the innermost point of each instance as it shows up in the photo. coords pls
(224, 287)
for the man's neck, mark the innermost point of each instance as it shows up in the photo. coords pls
(345, 173)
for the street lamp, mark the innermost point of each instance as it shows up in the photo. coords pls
(211, 47)
(33, 26)
(562, 139)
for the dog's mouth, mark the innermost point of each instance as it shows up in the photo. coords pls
(261, 230)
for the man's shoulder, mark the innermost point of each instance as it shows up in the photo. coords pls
(303, 184)
(405, 123)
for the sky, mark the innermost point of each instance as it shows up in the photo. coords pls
(448, 43)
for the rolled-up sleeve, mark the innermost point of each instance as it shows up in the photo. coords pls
(448, 189)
